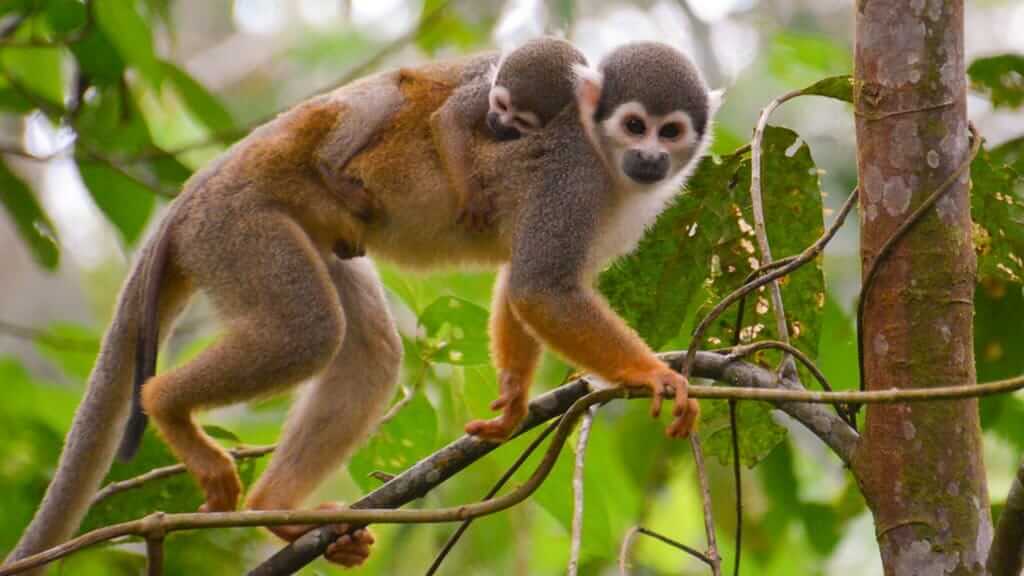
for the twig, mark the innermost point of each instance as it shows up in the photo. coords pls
(43, 337)
(758, 384)
(172, 470)
(714, 560)
(760, 231)
(809, 253)
(737, 478)
(166, 523)
(155, 556)
(899, 233)
(577, 492)
(454, 538)
(627, 543)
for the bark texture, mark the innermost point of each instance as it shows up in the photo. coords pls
(920, 466)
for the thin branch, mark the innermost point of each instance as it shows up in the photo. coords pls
(572, 400)
(714, 559)
(1005, 555)
(760, 231)
(172, 470)
(454, 539)
(31, 334)
(627, 543)
(577, 492)
(155, 556)
(916, 216)
(809, 253)
(737, 478)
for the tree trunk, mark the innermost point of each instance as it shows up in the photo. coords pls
(920, 467)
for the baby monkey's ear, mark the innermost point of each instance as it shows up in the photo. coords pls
(588, 89)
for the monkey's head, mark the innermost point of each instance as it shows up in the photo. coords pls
(648, 111)
(531, 85)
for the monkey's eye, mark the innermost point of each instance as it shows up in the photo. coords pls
(635, 125)
(501, 105)
(671, 131)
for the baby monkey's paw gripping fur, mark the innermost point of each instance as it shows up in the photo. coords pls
(478, 213)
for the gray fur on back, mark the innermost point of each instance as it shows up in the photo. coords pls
(658, 76)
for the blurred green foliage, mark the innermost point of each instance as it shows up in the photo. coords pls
(102, 70)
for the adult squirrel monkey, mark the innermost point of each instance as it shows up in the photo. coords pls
(258, 229)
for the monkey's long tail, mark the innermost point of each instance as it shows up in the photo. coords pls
(148, 343)
(95, 431)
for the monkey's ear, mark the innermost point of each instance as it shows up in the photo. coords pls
(588, 88)
(715, 98)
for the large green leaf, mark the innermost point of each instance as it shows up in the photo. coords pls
(397, 444)
(36, 71)
(203, 105)
(126, 202)
(1001, 78)
(999, 353)
(997, 208)
(129, 32)
(31, 222)
(71, 346)
(703, 247)
(456, 331)
(1009, 153)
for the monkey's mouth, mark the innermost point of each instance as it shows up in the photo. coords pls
(501, 131)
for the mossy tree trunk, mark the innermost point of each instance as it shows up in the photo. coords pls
(920, 466)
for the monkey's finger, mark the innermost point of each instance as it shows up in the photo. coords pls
(681, 400)
(656, 400)
(500, 403)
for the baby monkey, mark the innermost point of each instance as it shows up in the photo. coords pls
(526, 89)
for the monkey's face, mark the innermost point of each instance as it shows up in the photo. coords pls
(505, 120)
(646, 148)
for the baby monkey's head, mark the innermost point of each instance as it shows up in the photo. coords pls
(531, 85)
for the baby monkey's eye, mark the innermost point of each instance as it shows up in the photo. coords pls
(635, 125)
(671, 131)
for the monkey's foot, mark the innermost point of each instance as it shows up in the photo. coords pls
(222, 489)
(512, 403)
(351, 549)
(685, 409)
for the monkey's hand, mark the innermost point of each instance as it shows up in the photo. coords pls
(513, 405)
(661, 380)
(478, 213)
(349, 550)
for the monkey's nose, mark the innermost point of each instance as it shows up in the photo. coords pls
(644, 166)
(501, 131)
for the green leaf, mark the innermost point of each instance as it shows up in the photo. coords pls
(837, 87)
(801, 58)
(65, 16)
(397, 444)
(1009, 153)
(703, 247)
(98, 58)
(124, 201)
(1001, 78)
(203, 105)
(128, 31)
(999, 353)
(997, 208)
(36, 70)
(750, 416)
(31, 222)
(456, 330)
(221, 433)
(73, 347)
